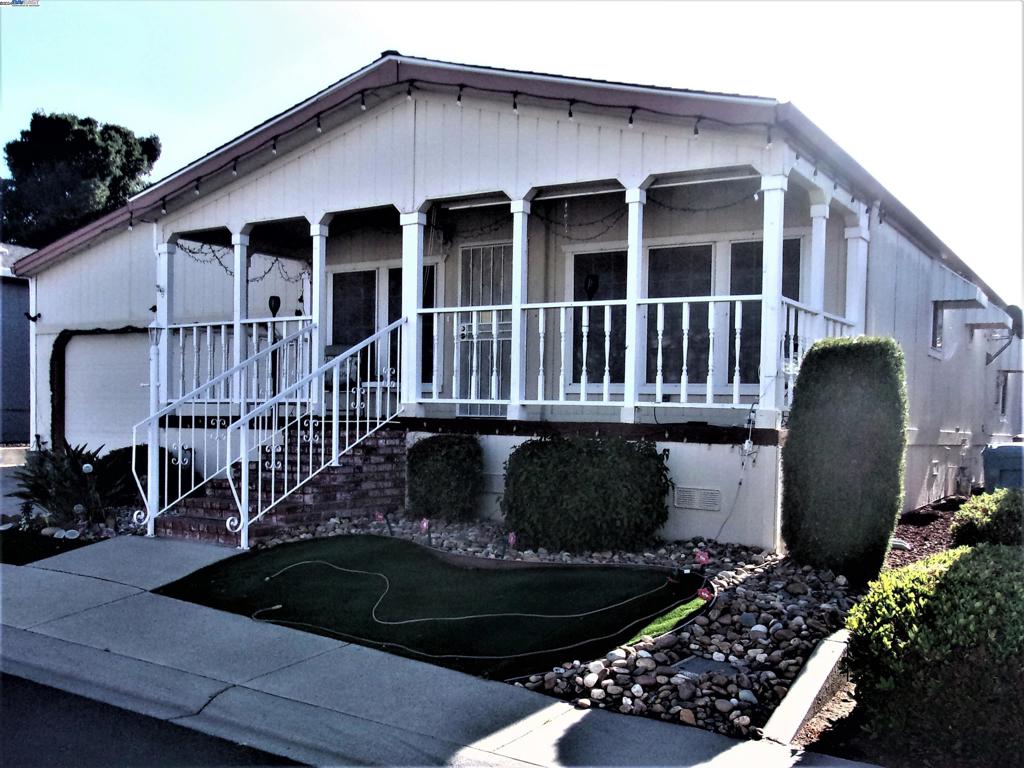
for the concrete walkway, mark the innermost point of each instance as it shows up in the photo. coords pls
(85, 622)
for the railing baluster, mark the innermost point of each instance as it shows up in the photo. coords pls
(474, 379)
(607, 389)
(541, 332)
(709, 395)
(435, 380)
(659, 377)
(456, 356)
(224, 361)
(495, 393)
(684, 378)
(791, 334)
(563, 346)
(195, 357)
(209, 353)
(181, 362)
(335, 416)
(738, 327)
(585, 325)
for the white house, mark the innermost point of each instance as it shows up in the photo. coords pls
(507, 253)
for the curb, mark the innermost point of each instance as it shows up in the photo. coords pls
(815, 684)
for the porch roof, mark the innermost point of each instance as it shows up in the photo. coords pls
(392, 70)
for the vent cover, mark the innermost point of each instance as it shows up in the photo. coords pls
(704, 499)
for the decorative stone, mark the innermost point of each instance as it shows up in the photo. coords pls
(724, 706)
(616, 655)
(686, 716)
(590, 680)
(596, 666)
(583, 703)
(637, 690)
(747, 696)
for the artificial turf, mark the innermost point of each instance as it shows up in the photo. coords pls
(317, 598)
(23, 547)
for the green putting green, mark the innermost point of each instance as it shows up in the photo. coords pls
(440, 608)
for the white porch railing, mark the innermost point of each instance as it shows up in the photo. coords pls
(697, 351)
(189, 435)
(199, 352)
(282, 444)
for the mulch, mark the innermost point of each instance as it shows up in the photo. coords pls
(926, 530)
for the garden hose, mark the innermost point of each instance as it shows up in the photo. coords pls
(257, 616)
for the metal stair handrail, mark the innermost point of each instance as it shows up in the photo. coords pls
(224, 392)
(290, 427)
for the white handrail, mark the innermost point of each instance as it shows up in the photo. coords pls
(208, 422)
(289, 430)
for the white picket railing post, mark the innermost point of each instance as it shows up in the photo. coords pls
(153, 449)
(412, 224)
(164, 314)
(858, 235)
(816, 269)
(520, 259)
(773, 191)
(318, 289)
(635, 199)
(240, 300)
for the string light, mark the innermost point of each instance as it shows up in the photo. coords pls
(163, 206)
(131, 221)
(632, 111)
(515, 103)
(458, 99)
(362, 100)
(768, 144)
(234, 167)
(571, 102)
(273, 146)
(408, 92)
(196, 190)
(756, 197)
(319, 128)
(696, 128)
(815, 174)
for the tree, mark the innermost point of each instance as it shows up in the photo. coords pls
(66, 171)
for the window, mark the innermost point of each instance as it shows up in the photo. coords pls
(938, 314)
(679, 271)
(745, 268)
(597, 277)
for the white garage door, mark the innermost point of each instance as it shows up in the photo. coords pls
(104, 396)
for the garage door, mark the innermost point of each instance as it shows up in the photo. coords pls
(104, 396)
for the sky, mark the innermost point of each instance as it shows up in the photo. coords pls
(926, 96)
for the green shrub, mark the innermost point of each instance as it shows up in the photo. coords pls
(576, 494)
(937, 653)
(63, 483)
(445, 477)
(997, 518)
(842, 461)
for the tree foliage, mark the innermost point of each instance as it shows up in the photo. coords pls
(66, 171)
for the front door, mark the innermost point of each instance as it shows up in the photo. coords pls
(364, 301)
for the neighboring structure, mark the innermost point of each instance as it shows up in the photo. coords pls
(14, 349)
(509, 254)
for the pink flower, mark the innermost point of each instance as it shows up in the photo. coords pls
(705, 594)
(701, 557)
(424, 525)
(380, 517)
(512, 539)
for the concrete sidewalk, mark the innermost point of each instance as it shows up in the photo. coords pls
(84, 622)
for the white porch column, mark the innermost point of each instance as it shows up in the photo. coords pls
(816, 270)
(412, 300)
(240, 294)
(318, 292)
(164, 308)
(635, 199)
(857, 238)
(773, 188)
(520, 259)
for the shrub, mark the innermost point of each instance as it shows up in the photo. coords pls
(576, 494)
(445, 477)
(937, 653)
(63, 482)
(997, 518)
(843, 458)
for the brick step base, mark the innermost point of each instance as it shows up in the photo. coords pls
(370, 479)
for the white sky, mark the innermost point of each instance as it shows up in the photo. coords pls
(926, 96)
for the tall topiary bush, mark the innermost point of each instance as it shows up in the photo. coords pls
(576, 493)
(445, 477)
(842, 462)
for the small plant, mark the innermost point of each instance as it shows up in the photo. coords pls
(63, 483)
(445, 477)
(937, 653)
(576, 494)
(843, 458)
(996, 518)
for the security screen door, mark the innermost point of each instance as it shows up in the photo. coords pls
(484, 344)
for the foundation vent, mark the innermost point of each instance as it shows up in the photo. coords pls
(703, 499)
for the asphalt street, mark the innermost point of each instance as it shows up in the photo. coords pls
(43, 726)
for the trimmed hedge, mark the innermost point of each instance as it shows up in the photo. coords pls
(996, 518)
(445, 477)
(842, 462)
(579, 494)
(937, 653)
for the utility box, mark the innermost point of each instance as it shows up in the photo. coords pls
(1003, 465)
